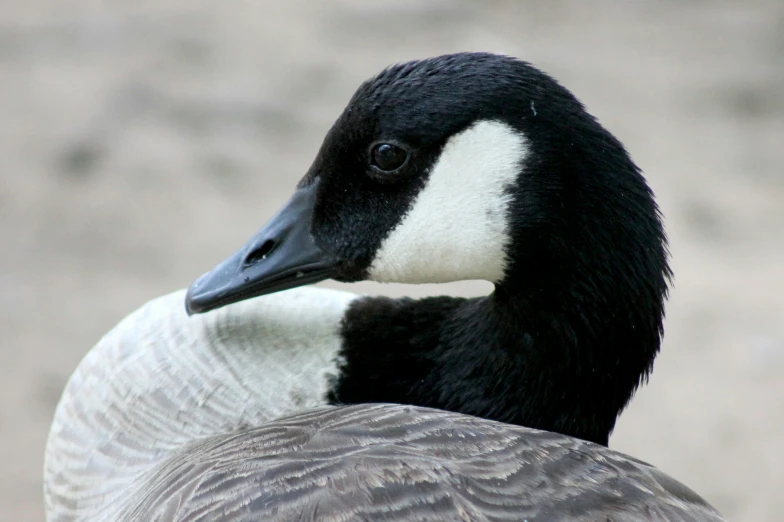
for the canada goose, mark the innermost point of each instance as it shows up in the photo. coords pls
(466, 166)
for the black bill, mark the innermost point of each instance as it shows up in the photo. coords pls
(281, 256)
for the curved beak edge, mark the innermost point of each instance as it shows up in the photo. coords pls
(282, 255)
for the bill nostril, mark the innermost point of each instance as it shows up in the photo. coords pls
(259, 253)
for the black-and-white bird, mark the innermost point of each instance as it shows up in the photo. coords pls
(465, 166)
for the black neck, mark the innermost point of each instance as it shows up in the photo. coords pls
(495, 357)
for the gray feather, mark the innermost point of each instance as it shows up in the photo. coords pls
(392, 462)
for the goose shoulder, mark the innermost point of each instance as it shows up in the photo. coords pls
(160, 380)
(394, 462)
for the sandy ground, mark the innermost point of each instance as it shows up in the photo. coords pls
(142, 142)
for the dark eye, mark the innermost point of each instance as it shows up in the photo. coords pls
(388, 157)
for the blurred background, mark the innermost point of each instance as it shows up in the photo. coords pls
(143, 141)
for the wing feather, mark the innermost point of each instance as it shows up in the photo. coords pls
(403, 463)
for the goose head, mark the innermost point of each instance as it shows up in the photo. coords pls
(479, 166)
(466, 166)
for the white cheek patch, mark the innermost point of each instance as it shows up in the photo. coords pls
(457, 227)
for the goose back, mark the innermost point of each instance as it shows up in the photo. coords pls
(391, 462)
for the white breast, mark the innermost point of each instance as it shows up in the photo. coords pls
(161, 379)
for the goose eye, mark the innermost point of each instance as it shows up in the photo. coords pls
(388, 157)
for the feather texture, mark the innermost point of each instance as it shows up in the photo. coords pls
(170, 419)
(160, 380)
(392, 462)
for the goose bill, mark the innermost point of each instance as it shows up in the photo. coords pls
(280, 256)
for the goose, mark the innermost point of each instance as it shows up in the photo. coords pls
(263, 398)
